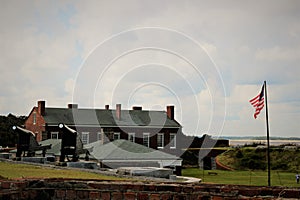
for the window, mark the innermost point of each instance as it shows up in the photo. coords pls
(85, 137)
(99, 136)
(146, 137)
(131, 137)
(116, 136)
(54, 135)
(160, 140)
(34, 118)
(172, 141)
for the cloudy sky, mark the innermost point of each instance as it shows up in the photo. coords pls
(208, 58)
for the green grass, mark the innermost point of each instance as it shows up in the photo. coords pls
(13, 170)
(256, 178)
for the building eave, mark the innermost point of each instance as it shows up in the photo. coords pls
(113, 126)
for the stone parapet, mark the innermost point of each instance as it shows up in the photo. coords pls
(113, 190)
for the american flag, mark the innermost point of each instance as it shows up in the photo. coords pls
(258, 102)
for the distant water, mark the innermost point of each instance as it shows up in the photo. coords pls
(233, 142)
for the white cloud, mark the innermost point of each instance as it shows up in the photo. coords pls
(69, 86)
(278, 54)
(43, 44)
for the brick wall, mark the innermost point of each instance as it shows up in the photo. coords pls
(116, 190)
(39, 126)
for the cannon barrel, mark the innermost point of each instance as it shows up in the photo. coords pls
(71, 143)
(27, 142)
(20, 130)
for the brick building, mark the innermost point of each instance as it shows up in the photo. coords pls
(35, 121)
(153, 129)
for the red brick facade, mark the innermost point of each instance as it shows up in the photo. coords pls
(35, 123)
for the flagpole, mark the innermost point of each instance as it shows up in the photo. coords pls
(268, 135)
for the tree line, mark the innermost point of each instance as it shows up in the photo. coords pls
(7, 136)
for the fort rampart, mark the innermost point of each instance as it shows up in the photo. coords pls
(135, 190)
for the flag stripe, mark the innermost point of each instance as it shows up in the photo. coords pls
(255, 98)
(258, 102)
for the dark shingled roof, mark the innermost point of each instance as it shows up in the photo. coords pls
(107, 118)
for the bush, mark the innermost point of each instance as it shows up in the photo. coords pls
(279, 165)
(239, 154)
(256, 159)
(252, 163)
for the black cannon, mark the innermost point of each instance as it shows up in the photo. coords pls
(71, 144)
(27, 143)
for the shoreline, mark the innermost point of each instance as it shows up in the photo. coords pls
(234, 142)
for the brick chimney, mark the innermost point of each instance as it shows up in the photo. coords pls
(41, 107)
(170, 112)
(118, 111)
(106, 107)
(72, 105)
(137, 108)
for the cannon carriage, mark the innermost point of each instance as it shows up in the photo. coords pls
(27, 143)
(71, 144)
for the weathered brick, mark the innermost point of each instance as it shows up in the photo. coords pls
(81, 194)
(17, 189)
(117, 196)
(13, 196)
(165, 188)
(187, 189)
(217, 198)
(70, 194)
(105, 195)
(249, 192)
(226, 189)
(24, 195)
(94, 195)
(166, 196)
(130, 196)
(20, 184)
(266, 192)
(137, 187)
(196, 197)
(180, 197)
(149, 187)
(99, 186)
(142, 196)
(177, 189)
(60, 193)
(154, 197)
(5, 184)
(235, 198)
(114, 187)
(124, 186)
(32, 194)
(291, 194)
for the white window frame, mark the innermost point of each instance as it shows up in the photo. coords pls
(173, 141)
(118, 135)
(54, 133)
(146, 135)
(160, 144)
(87, 140)
(99, 135)
(131, 135)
